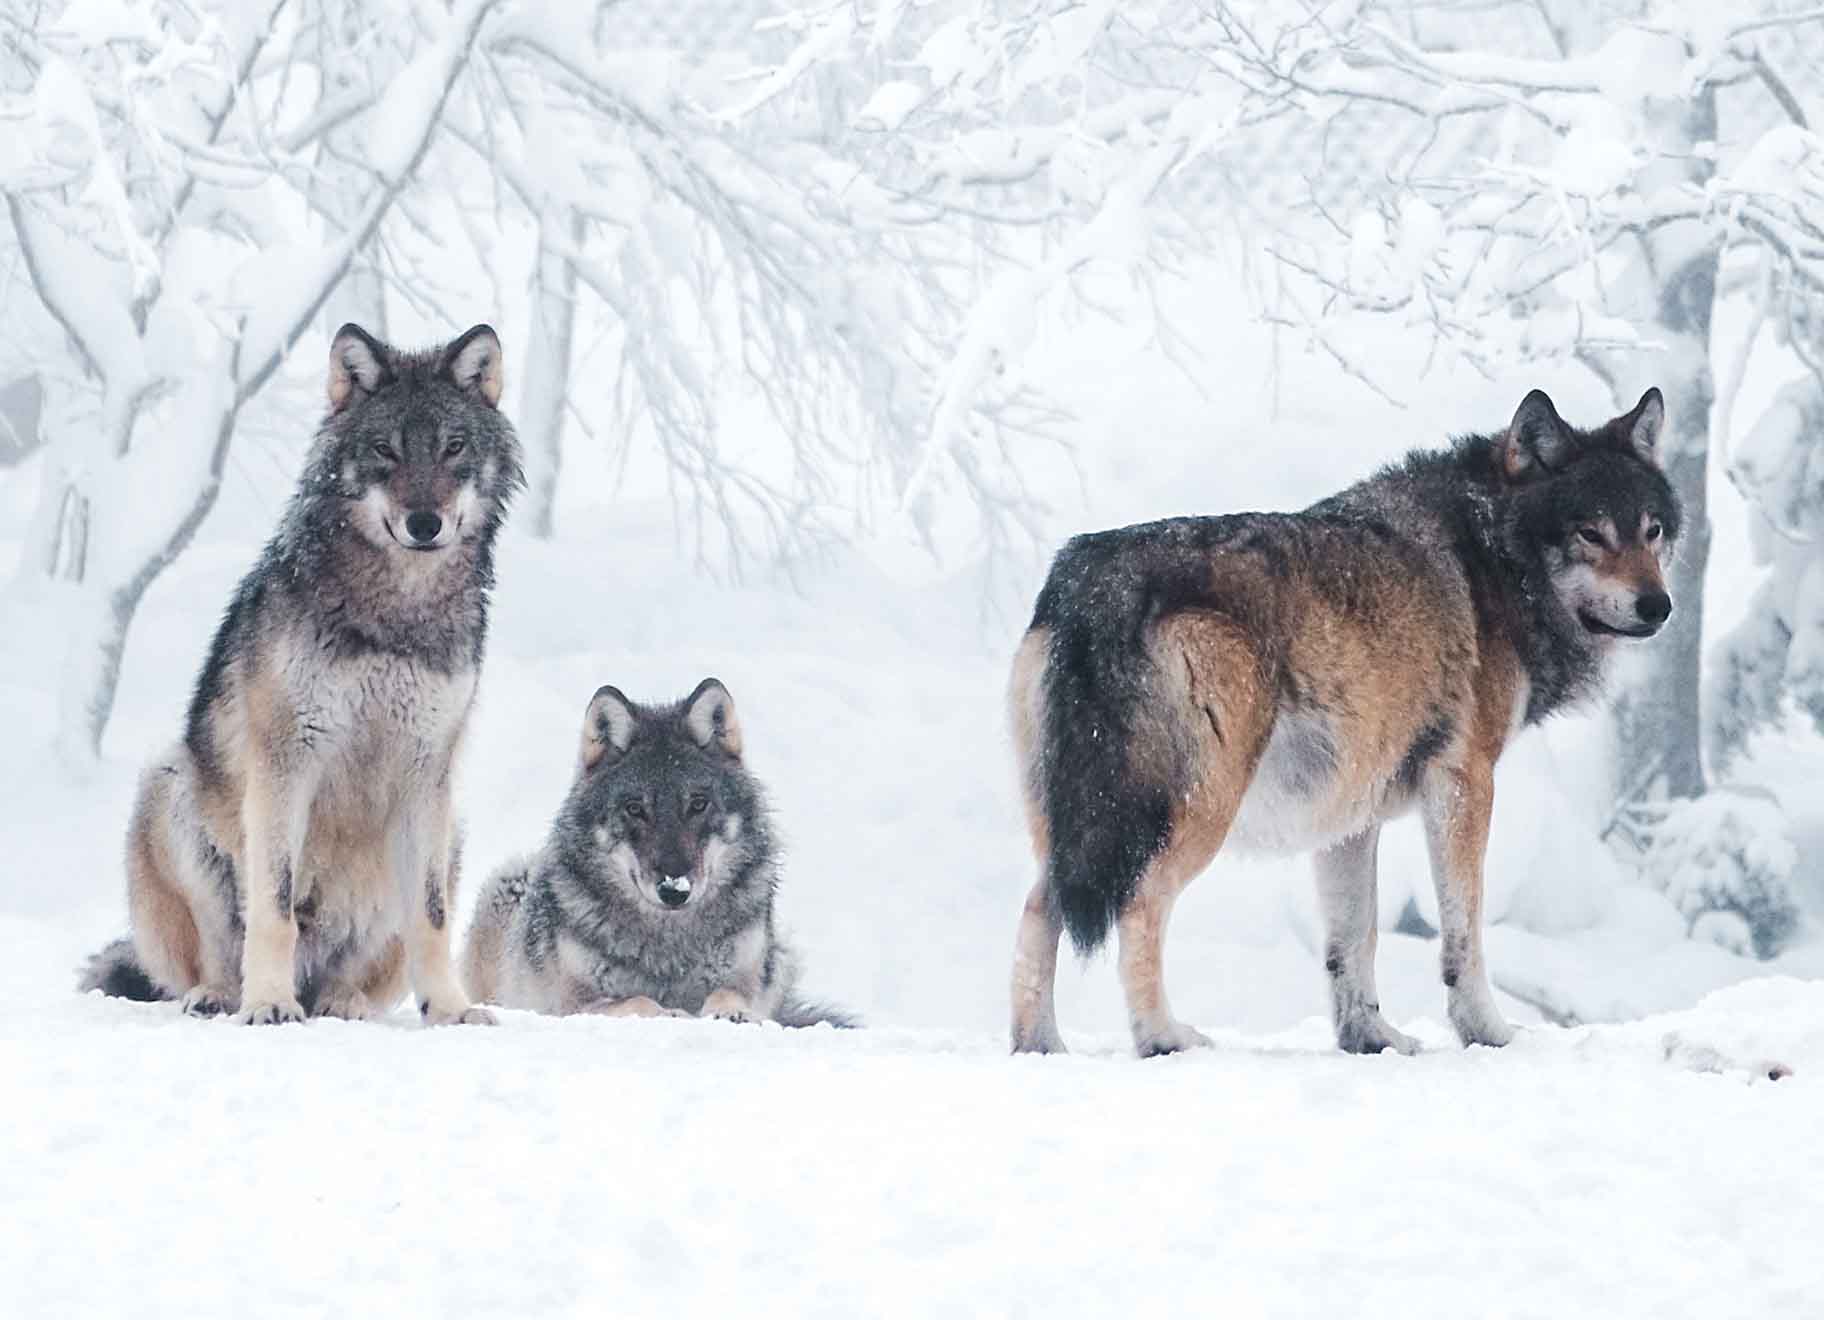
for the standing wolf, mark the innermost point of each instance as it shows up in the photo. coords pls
(654, 894)
(1287, 682)
(294, 853)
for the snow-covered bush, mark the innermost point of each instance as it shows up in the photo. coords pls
(1725, 860)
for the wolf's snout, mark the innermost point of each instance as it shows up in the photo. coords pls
(674, 890)
(1654, 607)
(423, 526)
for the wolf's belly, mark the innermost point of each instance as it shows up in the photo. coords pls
(1306, 794)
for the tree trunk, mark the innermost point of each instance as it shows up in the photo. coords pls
(547, 374)
(1659, 726)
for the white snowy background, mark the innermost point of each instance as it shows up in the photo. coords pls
(824, 327)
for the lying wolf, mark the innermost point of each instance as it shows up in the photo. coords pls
(654, 894)
(1287, 682)
(293, 854)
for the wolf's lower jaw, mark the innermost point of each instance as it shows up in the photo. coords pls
(1592, 624)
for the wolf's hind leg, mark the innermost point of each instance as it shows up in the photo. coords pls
(1457, 804)
(1346, 889)
(1142, 965)
(180, 897)
(1035, 976)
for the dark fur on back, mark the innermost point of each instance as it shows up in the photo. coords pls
(317, 566)
(1105, 818)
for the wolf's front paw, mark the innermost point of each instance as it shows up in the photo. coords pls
(728, 1006)
(1478, 1021)
(1170, 1039)
(271, 1012)
(470, 1015)
(207, 1001)
(1367, 1032)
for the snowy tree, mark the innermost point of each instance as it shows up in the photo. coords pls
(1048, 136)
(1725, 861)
(163, 185)
(1575, 195)
(1776, 653)
(736, 259)
(1580, 179)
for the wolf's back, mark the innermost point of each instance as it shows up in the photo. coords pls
(1105, 816)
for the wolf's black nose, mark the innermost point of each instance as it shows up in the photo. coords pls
(673, 895)
(423, 526)
(1654, 607)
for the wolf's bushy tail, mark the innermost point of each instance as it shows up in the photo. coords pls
(116, 971)
(1111, 758)
(796, 1012)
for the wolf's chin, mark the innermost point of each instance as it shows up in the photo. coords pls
(1592, 624)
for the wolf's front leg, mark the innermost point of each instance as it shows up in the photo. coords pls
(274, 816)
(1457, 805)
(422, 838)
(745, 994)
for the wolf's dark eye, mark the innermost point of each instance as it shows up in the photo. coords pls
(456, 445)
(699, 803)
(384, 449)
(1655, 532)
(634, 810)
(1591, 535)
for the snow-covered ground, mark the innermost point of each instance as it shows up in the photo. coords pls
(591, 1167)
(162, 1166)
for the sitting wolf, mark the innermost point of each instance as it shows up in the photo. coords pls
(654, 894)
(294, 853)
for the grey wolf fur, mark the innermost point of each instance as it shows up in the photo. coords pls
(1288, 682)
(295, 853)
(654, 894)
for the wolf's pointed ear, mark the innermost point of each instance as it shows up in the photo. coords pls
(709, 714)
(473, 362)
(1640, 429)
(607, 729)
(1536, 440)
(357, 361)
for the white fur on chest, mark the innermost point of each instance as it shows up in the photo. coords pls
(375, 730)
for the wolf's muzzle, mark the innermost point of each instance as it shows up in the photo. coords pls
(674, 890)
(422, 526)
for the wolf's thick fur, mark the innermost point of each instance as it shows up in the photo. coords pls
(1287, 682)
(654, 893)
(295, 853)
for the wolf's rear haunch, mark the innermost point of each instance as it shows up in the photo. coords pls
(1288, 682)
(1112, 759)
